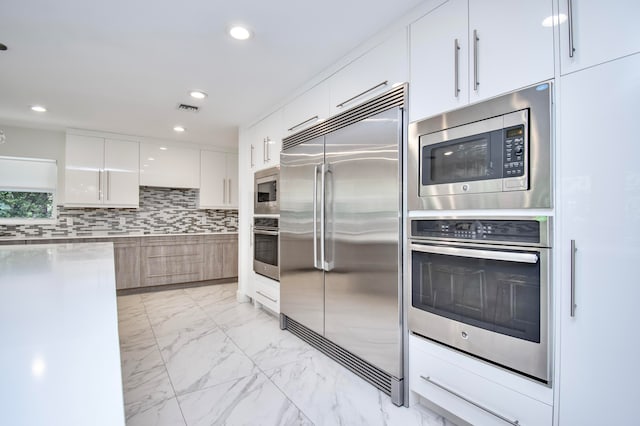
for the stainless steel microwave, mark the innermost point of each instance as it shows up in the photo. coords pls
(266, 198)
(491, 155)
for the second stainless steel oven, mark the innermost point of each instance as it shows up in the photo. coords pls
(266, 251)
(482, 285)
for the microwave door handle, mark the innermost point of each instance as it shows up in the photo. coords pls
(315, 216)
(507, 256)
(261, 232)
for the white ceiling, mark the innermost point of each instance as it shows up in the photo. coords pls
(124, 65)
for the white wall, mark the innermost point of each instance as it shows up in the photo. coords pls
(36, 143)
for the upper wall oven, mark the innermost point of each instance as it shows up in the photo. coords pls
(266, 191)
(496, 154)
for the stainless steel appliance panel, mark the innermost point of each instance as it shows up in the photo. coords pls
(537, 193)
(266, 251)
(266, 191)
(362, 191)
(301, 275)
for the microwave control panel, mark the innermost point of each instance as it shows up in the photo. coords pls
(514, 151)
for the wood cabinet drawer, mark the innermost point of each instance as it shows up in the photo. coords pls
(462, 391)
(267, 293)
(172, 251)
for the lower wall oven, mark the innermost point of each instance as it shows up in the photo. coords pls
(482, 286)
(266, 253)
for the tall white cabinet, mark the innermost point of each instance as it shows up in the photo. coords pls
(599, 204)
(218, 180)
(101, 172)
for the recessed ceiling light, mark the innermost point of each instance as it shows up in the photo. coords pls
(38, 108)
(150, 158)
(163, 148)
(3, 46)
(239, 33)
(179, 129)
(198, 94)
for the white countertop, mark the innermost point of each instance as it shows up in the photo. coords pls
(59, 350)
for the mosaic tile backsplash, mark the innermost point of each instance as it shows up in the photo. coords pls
(161, 211)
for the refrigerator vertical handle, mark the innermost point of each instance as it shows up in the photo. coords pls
(322, 214)
(315, 216)
(327, 265)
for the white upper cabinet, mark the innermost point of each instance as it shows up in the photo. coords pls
(469, 50)
(375, 72)
(439, 61)
(600, 188)
(511, 47)
(307, 109)
(218, 180)
(101, 172)
(266, 141)
(593, 32)
(169, 166)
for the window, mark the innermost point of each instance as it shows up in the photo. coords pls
(27, 189)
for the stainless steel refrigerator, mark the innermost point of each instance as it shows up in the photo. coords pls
(340, 228)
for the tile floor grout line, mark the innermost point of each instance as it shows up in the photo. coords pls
(164, 364)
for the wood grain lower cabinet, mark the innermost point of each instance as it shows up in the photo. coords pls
(171, 260)
(220, 257)
(126, 254)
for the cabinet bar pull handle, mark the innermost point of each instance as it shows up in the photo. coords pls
(267, 297)
(573, 278)
(315, 117)
(108, 185)
(384, 83)
(456, 68)
(572, 48)
(475, 404)
(229, 192)
(252, 148)
(476, 39)
(267, 140)
(224, 191)
(264, 150)
(99, 185)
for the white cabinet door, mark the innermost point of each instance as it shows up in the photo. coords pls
(121, 173)
(513, 49)
(600, 200)
(84, 159)
(439, 61)
(266, 140)
(370, 75)
(599, 31)
(213, 179)
(169, 166)
(306, 110)
(232, 181)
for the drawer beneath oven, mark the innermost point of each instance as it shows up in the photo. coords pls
(267, 293)
(435, 375)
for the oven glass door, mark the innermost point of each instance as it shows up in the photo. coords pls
(496, 290)
(266, 247)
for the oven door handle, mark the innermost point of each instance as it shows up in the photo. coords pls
(261, 232)
(508, 256)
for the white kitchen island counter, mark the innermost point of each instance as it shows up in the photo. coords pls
(59, 350)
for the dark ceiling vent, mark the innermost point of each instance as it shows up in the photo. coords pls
(188, 108)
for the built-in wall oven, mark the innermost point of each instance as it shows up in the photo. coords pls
(491, 155)
(266, 191)
(266, 253)
(482, 286)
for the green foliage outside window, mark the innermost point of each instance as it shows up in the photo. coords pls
(30, 205)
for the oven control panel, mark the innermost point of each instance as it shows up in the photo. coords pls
(514, 151)
(521, 231)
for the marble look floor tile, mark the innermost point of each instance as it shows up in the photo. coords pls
(135, 330)
(238, 314)
(164, 413)
(268, 346)
(148, 387)
(140, 357)
(201, 358)
(253, 400)
(212, 292)
(170, 322)
(132, 300)
(330, 394)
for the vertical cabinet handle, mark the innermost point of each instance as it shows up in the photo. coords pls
(99, 185)
(224, 191)
(267, 148)
(572, 47)
(252, 149)
(476, 39)
(264, 150)
(573, 278)
(229, 192)
(315, 216)
(108, 185)
(456, 68)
